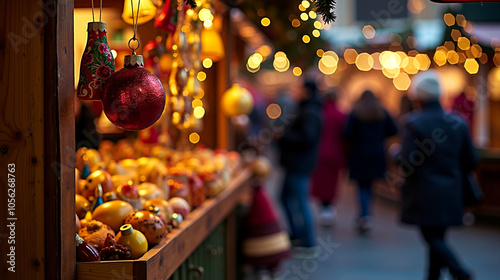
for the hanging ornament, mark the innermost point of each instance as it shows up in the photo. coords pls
(166, 20)
(236, 101)
(97, 63)
(133, 98)
(147, 12)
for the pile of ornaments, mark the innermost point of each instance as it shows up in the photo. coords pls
(127, 203)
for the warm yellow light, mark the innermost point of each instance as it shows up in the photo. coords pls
(496, 59)
(452, 57)
(205, 14)
(461, 57)
(211, 45)
(463, 43)
(176, 117)
(402, 81)
(364, 62)
(350, 56)
(273, 111)
(265, 21)
(320, 52)
(253, 70)
(207, 24)
(471, 66)
(201, 76)
(424, 61)
(194, 138)
(306, 39)
(476, 50)
(253, 62)
(461, 21)
(302, 8)
(376, 62)
(304, 16)
(316, 33)
(327, 70)
(306, 4)
(279, 54)
(416, 6)
(449, 19)
(312, 14)
(390, 60)
(368, 31)
(440, 57)
(281, 62)
(404, 61)
(329, 61)
(185, 29)
(207, 62)
(199, 112)
(114, 53)
(199, 94)
(197, 103)
(333, 55)
(412, 66)
(295, 23)
(391, 73)
(147, 11)
(455, 34)
(318, 25)
(297, 71)
(264, 50)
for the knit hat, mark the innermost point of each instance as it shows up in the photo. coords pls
(425, 86)
(265, 243)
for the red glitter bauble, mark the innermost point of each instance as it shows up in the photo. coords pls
(133, 98)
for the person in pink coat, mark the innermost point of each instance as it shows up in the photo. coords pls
(331, 159)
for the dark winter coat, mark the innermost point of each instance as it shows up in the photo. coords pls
(299, 144)
(436, 150)
(366, 140)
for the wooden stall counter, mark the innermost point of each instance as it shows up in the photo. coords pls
(163, 260)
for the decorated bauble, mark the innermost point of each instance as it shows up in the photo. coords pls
(133, 98)
(236, 101)
(149, 224)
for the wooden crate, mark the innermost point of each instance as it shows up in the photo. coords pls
(161, 261)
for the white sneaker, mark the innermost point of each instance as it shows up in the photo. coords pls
(327, 216)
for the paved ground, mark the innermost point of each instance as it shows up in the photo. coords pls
(391, 251)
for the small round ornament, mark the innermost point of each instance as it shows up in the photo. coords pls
(133, 98)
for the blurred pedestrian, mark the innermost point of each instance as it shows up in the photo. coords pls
(436, 150)
(368, 126)
(299, 146)
(331, 159)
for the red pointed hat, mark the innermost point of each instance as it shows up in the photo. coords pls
(265, 243)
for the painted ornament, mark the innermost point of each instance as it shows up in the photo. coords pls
(97, 63)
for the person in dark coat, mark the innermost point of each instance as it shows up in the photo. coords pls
(436, 151)
(299, 146)
(368, 126)
(331, 159)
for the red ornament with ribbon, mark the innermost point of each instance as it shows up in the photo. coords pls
(166, 20)
(97, 63)
(133, 98)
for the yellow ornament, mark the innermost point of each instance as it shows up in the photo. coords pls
(236, 101)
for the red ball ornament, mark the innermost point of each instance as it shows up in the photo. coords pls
(133, 98)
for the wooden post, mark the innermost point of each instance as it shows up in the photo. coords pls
(37, 138)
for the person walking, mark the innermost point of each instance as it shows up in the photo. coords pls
(368, 126)
(436, 151)
(299, 145)
(331, 159)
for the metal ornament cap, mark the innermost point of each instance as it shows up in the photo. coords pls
(97, 26)
(134, 59)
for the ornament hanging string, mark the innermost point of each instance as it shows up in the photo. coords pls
(100, 11)
(134, 24)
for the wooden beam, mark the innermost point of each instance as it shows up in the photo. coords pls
(59, 158)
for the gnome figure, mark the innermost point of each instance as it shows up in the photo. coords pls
(265, 244)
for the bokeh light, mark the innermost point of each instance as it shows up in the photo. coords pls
(449, 19)
(297, 71)
(350, 56)
(368, 31)
(273, 111)
(471, 66)
(207, 62)
(402, 81)
(194, 138)
(364, 62)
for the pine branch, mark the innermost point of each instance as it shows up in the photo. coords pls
(326, 8)
(191, 3)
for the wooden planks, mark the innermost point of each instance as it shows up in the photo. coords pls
(22, 136)
(164, 259)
